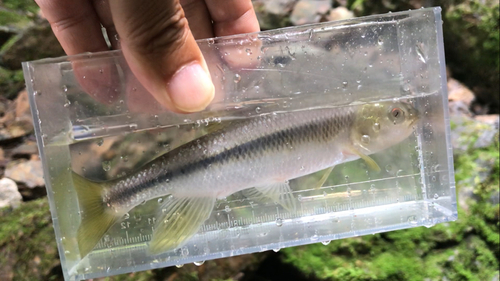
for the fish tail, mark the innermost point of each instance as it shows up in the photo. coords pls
(96, 216)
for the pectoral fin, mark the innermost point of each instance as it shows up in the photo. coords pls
(178, 220)
(369, 161)
(278, 192)
(326, 174)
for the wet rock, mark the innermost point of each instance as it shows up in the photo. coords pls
(9, 195)
(309, 11)
(339, 13)
(35, 42)
(29, 173)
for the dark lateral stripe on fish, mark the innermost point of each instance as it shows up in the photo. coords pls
(310, 132)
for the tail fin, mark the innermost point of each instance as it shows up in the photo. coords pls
(97, 217)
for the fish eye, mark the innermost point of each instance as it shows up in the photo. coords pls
(397, 115)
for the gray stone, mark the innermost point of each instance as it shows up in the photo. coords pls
(279, 7)
(9, 195)
(309, 11)
(340, 13)
(30, 173)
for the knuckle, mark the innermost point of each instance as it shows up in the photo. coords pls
(160, 33)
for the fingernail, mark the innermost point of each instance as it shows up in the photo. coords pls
(191, 88)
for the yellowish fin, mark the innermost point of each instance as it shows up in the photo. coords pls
(178, 220)
(369, 161)
(325, 176)
(97, 217)
(278, 192)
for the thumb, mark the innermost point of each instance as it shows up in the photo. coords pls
(162, 53)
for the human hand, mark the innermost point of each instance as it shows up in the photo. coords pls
(157, 39)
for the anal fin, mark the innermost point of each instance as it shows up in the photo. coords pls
(178, 220)
(280, 193)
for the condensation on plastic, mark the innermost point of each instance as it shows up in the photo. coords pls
(92, 116)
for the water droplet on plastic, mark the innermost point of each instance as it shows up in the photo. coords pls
(198, 263)
(326, 242)
(279, 222)
(299, 197)
(345, 84)
(276, 250)
(436, 196)
(160, 200)
(179, 265)
(106, 166)
(65, 88)
(376, 127)
(67, 104)
(126, 216)
(365, 139)
(433, 178)
(388, 168)
(380, 41)
(227, 209)
(399, 173)
(258, 109)
(314, 237)
(237, 78)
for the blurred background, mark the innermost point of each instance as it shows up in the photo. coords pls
(467, 249)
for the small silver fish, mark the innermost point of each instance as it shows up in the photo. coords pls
(262, 153)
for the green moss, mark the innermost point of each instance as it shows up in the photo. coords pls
(11, 82)
(467, 249)
(37, 254)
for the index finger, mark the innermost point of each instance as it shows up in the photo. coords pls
(232, 17)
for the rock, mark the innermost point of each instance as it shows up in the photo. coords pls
(3, 161)
(25, 150)
(30, 172)
(35, 42)
(9, 195)
(459, 92)
(491, 119)
(339, 13)
(269, 14)
(16, 121)
(467, 132)
(309, 11)
(279, 7)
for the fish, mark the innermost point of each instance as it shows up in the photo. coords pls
(257, 155)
